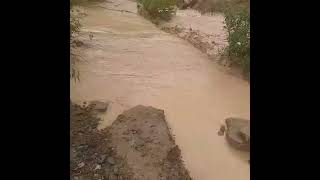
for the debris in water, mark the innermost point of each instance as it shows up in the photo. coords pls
(222, 130)
(99, 106)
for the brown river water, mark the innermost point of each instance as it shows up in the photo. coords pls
(130, 61)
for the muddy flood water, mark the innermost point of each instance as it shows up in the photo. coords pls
(130, 61)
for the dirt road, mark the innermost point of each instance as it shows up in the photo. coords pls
(129, 62)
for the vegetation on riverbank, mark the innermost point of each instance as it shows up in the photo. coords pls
(157, 10)
(74, 31)
(83, 2)
(237, 18)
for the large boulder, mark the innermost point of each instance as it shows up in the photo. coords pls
(238, 133)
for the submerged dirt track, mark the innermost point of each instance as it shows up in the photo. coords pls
(129, 62)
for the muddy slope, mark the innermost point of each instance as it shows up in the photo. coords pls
(142, 136)
(138, 145)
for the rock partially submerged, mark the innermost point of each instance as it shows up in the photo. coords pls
(99, 106)
(222, 130)
(238, 133)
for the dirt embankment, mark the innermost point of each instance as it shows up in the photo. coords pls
(138, 145)
(206, 32)
(204, 42)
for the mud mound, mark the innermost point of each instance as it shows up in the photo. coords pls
(138, 145)
(142, 137)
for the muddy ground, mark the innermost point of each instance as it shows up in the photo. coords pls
(138, 145)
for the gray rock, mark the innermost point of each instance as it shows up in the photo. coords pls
(99, 106)
(236, 127)
(111, 160)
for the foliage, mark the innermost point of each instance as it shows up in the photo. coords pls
(74, 26)
(74, 57)
(162, 9)
(237, 20)
(83, 2)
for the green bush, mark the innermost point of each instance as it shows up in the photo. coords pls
(157, 9)
(237, 20)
